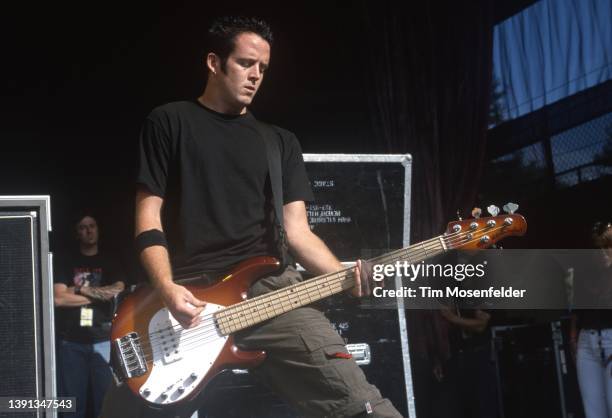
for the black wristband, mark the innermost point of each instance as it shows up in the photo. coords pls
(149, 239)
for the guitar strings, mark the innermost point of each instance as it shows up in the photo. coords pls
(312, 287)
(393, 254)
(423, 247)
(210, 328)
(236, 306)
(389, 255)
(202, 338)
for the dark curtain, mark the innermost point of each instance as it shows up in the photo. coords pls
(429, 86)
(430, 72)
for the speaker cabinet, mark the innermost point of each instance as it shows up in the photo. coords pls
(27, 369)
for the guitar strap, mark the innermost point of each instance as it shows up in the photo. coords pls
(271, 139)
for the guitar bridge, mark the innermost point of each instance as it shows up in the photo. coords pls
(128, 359)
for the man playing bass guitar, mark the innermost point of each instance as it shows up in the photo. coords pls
(205, 202)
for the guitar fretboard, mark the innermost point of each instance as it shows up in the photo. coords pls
(270, 305)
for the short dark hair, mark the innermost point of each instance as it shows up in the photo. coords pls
(223, 31)
(78, 217)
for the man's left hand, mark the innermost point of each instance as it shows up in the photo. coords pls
(363, 279)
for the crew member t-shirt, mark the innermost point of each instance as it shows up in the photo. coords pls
(211, 169)
(82, 270)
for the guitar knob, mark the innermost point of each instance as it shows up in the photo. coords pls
(493, 210)
(193, 376)
(181, 389)
(164, 396)
(146, 393)
(510, 207)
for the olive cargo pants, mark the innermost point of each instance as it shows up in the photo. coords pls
(307, 365)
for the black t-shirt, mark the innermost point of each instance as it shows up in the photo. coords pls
(212, 171)
(80, 270)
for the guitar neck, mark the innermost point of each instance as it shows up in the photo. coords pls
(259, 309)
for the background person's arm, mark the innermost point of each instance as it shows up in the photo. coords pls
(103, 293)
(64, 297)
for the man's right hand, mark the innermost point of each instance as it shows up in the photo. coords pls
(181, 303)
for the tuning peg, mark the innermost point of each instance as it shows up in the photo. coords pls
(476, 212)
(459, 218)
(493, 210)
(510, 207)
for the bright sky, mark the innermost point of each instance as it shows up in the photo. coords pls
(551, 50)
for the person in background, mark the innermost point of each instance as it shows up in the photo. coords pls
(591, 330)
(469, 375)
(86, 284)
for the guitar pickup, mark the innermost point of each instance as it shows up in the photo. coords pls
(128, 360)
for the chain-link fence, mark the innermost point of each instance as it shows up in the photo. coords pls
(583, 153)
(578, 155)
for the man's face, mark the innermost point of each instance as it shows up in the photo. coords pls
(87, 231)
(244, 70)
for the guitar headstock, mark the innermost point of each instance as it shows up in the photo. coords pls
(479, 233)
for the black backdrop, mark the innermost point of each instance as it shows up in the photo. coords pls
(77, 80)
(431, 71)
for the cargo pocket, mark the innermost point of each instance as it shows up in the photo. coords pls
(347, 386)
(323, 388)
(321, 343)
(351, 381)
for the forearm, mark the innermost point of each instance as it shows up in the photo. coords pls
(68, 299)
(156, 263)
(155, 258)
(102, 293)
(312, 253)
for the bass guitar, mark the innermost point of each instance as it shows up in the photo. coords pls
(163, 363)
